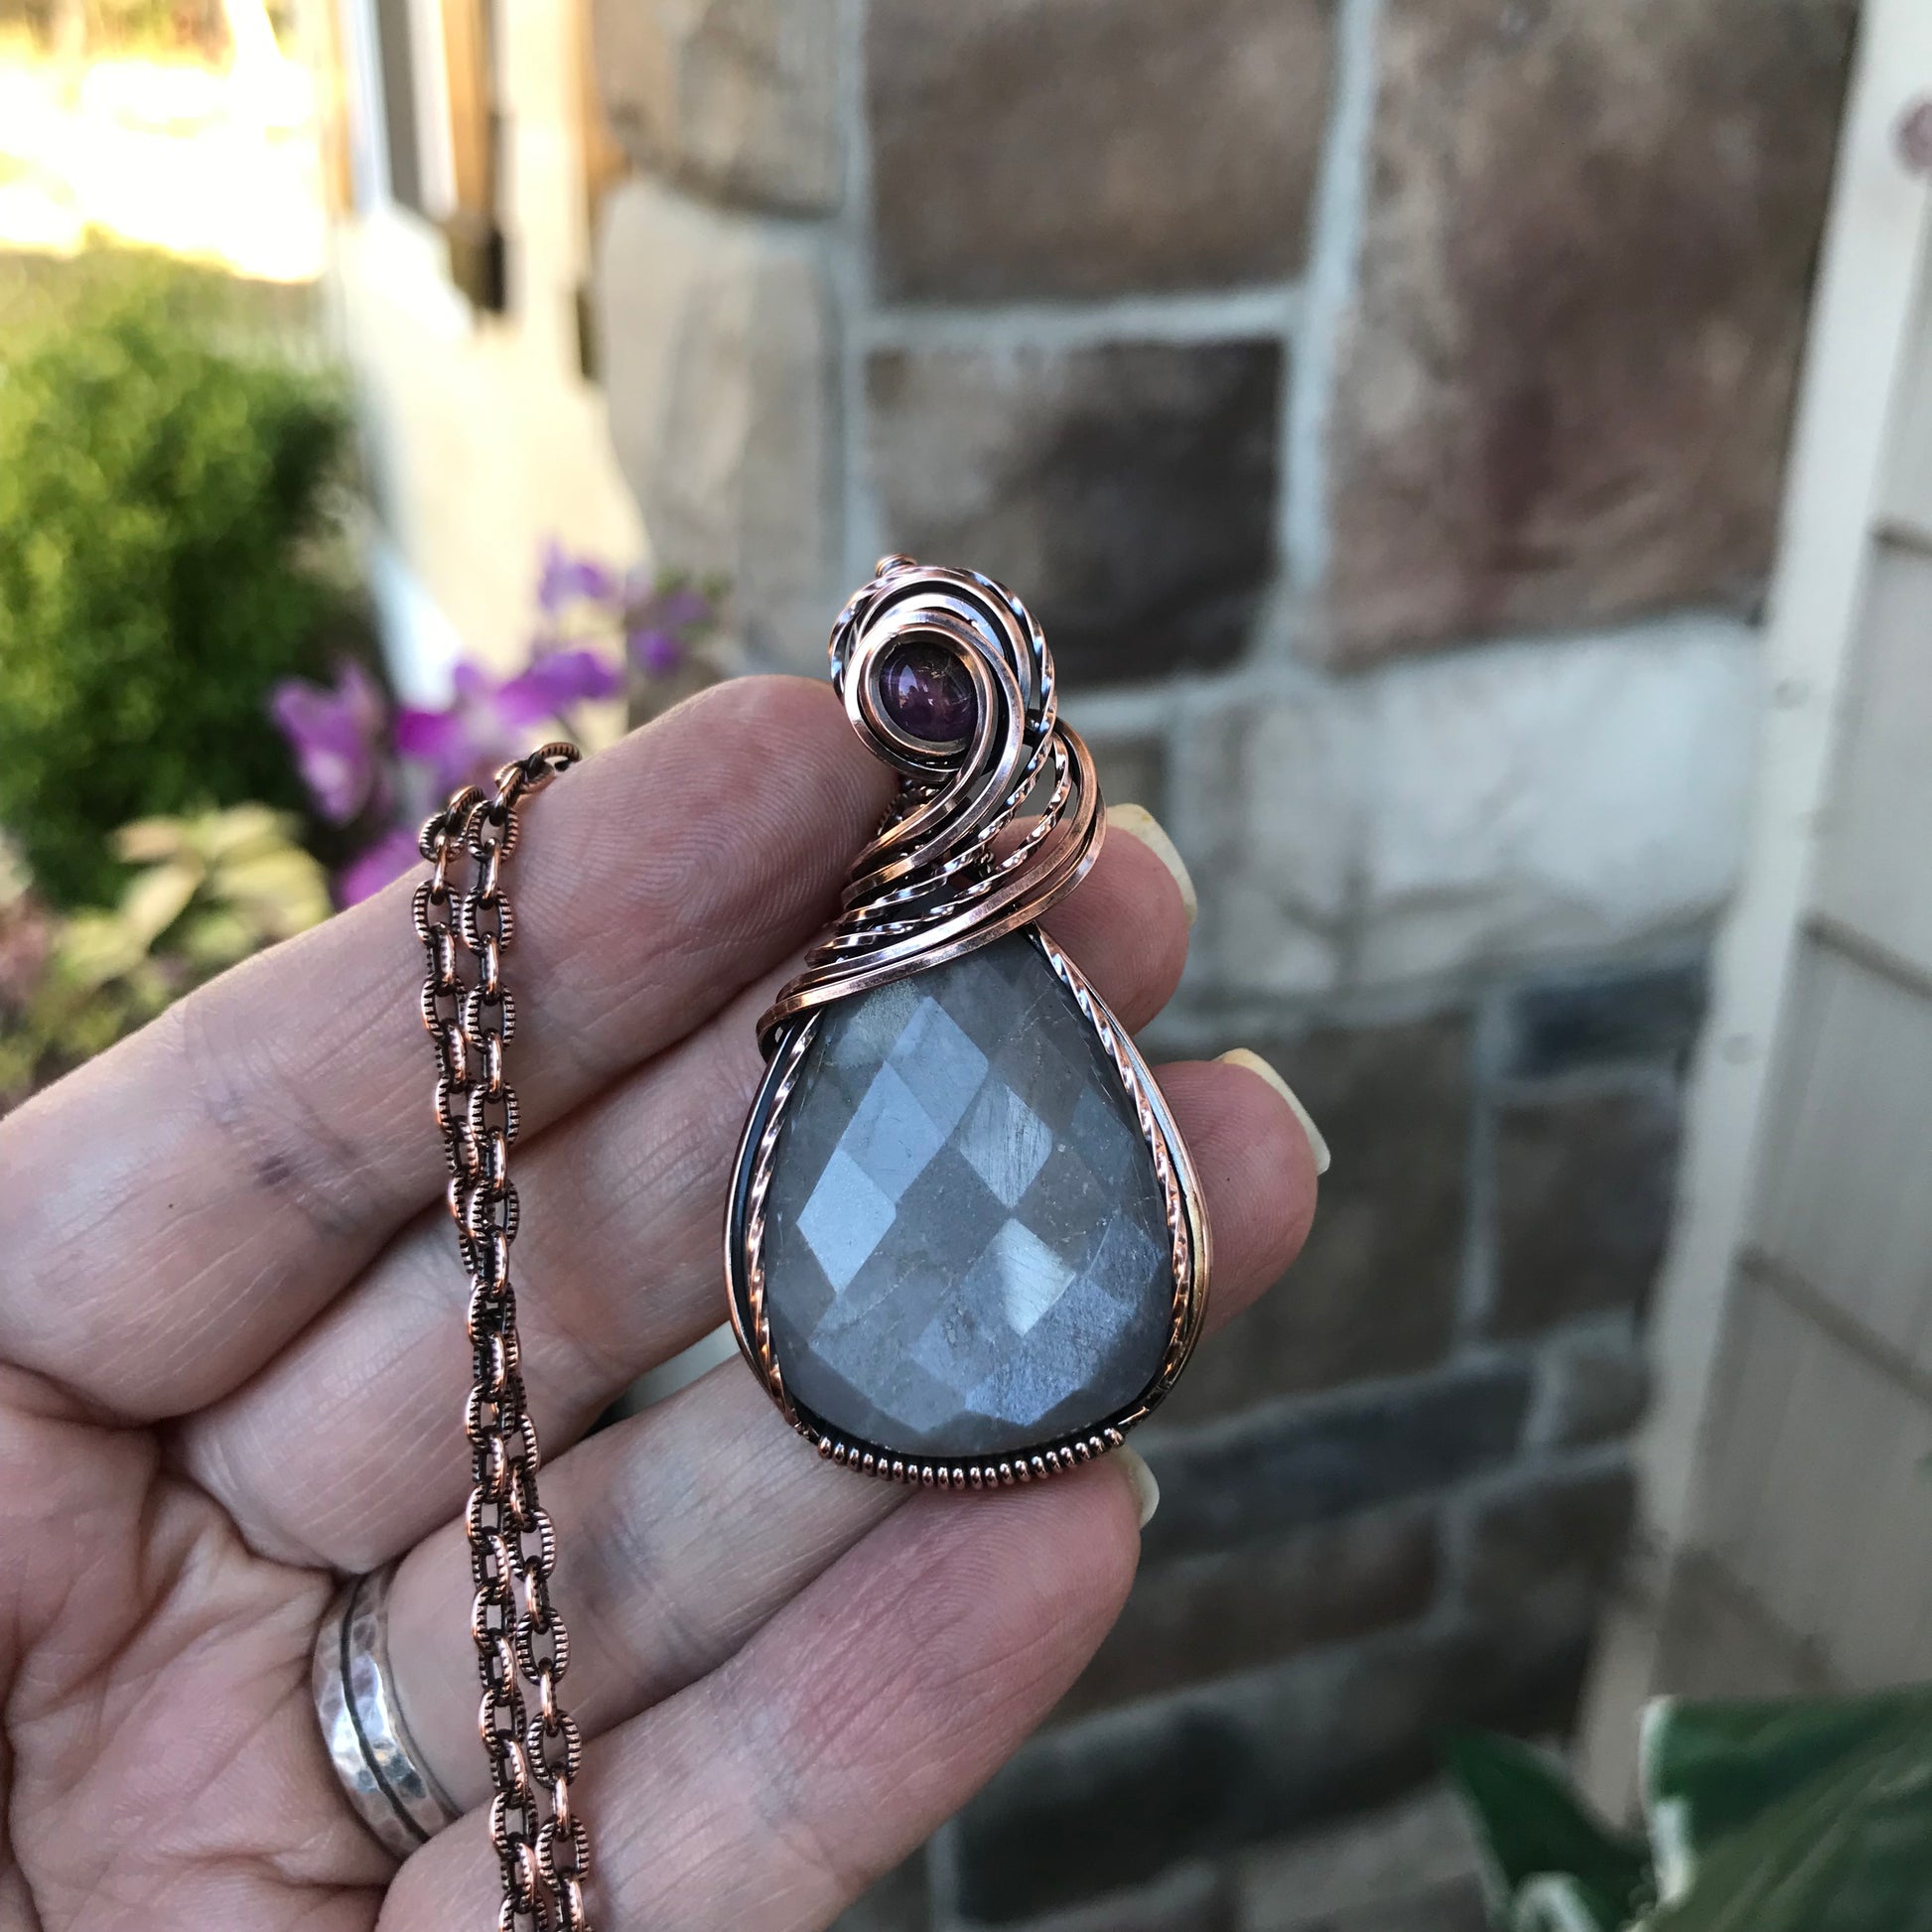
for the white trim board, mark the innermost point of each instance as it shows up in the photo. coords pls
(1875, 244)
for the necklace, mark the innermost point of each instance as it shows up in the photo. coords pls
(965, 1244)
(462, 913)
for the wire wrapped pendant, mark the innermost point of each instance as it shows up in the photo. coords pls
(965, 1244)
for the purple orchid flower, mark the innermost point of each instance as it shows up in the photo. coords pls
(678, 609)
(653, 637)
(554, 681)
(564, 579)
(655, 653)
(486, 721)
(334, 735)
(392, 855)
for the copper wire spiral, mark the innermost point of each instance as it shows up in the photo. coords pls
(938, 879)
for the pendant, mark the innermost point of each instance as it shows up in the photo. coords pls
(965, 1244)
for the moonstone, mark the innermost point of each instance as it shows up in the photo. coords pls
(966, 1249)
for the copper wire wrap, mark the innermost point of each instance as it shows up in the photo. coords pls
(937, 880)
(952, 869)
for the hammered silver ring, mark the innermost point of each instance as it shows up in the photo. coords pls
(382, 1771)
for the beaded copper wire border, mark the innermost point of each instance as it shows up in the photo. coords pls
(1189, 1250)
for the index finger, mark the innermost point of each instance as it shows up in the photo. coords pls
(180, 1207)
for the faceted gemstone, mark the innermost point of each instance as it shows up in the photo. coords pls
(966, 1247)
(929, 693)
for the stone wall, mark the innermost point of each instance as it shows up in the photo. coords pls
(1382, 403)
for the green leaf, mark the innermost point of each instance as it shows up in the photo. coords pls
(151, 840)
(282, 889)
(1562, 1905)
(1799, 1816)
(242, 832)
(1711, 1769)
(211, 940)
(155, 899)
(1533, 1826)
(96, 947)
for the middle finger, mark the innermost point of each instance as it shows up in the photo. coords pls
(343, 1449)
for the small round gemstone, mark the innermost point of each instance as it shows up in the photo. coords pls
(927, 693)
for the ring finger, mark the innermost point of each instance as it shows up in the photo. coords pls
(684, 1529)
(765, 1797)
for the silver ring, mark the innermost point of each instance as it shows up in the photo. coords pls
(383, 1772)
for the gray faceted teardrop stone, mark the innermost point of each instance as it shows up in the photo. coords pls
(966, 1250)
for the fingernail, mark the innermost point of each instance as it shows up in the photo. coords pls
(1147, 1492)
(1140, 823)
(1256, 1064)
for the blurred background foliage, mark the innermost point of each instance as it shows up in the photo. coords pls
(1760, 1815)
(149, 27)
(201, 892)
(203, 752)
(173, 484)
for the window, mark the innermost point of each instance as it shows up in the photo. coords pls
(426, 137)
(604, 165)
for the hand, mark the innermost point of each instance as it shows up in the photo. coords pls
(231, 1363)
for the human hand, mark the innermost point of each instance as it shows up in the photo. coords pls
(233, 1366)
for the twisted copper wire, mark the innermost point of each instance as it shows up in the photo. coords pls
(940, 879)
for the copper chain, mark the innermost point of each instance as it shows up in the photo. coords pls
(462, 914)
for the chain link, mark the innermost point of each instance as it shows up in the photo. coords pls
(463, 919)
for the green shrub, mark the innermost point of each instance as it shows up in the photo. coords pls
(165, 509)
